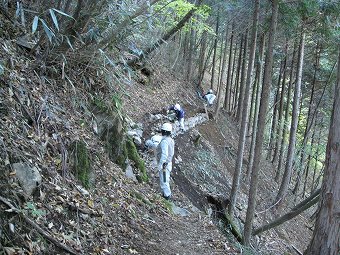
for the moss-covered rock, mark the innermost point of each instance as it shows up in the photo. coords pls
(133, 155)
(111, 130)
(82, 163)
(111, 127)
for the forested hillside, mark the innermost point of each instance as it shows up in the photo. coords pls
(85, 85)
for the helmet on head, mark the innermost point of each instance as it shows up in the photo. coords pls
(211, 91)
(177, 107)
(167, 127)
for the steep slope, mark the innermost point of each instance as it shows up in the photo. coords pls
(42, 116)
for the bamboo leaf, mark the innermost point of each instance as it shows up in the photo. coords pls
(35, 24)
(18, 10)
(54, 19)
(63, 13)
(69, 42)
(48, 31)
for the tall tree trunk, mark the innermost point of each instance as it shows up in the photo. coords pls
(232, 83)
(275, 111)
(202, 58)
(285, 123)
(251, 111)
(243, 79)
(228, 85)
(219, 98)
(280, 117)
(220, 66)
(190, 53)
(239, 64)
(293, 129)
(179, 50)
(243, 131)
(312, 144)
(207, 58)
(258, 81)
(313, 186)
(185, 51)
(308, 124)
(326, 235)
(215, 51)
(261, 126)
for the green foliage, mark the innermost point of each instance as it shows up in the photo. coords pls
(176, 10)
(168, 205)
(100, 104)
(32, 209)
(118, 105)
(82, 166)
(289, 17)
(142, 198)
(308, 8)
(115, 105)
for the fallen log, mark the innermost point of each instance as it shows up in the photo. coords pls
(37, 227)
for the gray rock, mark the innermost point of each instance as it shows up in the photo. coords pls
(137, 140)
(132, 133)
(129, 173)
(139, 132)
(156, 117)
(179, 211)
(29, 177)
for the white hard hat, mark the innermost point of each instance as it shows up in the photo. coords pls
(177, 107)
(210, 91)
(167, 127)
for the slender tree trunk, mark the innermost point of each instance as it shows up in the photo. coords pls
(238, 76)
(326, 235)
(219, 98)
(243, 79)
(207, 58)
(215, 51)
(280, 118)
(232, 83)
(258, 81)
(313, 186)
(285, 124)
(251, 110)
(275, 111)
(307, 127)
(312, 144)
(228, 85)
(179, 50)
(220, 66)
(298, 209)
(190, 54)
(185, 51)
(295, 167)
(293, 129)
(243, 131)
(202, 58)
(261, 126)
